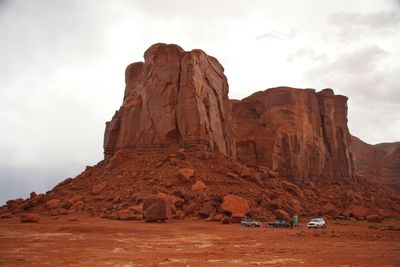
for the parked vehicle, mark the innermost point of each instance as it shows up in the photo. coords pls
(279, 224)
(317, 223)
(250, 223)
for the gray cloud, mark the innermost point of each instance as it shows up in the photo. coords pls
(306, 52)
(373, 91)
(354, 26)
(278, 35)
(361, 61)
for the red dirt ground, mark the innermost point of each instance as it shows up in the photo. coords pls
(101, 242)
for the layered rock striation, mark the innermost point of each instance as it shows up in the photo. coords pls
(173, 97)
(299, 133)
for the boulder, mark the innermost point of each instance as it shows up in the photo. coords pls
(199, 186)
(291, 188)
(53, 204)
(359, 212)
(245, 172)
(157, 210)
(188, 208)
(30, 218)
(137, 209)
(77, 206)
(186, 174)
(206, 210)
(66, 204)
(97, 188)
(233, 204)
(180, 192)
(128, 214)
(179, 214)
(175, 200)
(330, 210)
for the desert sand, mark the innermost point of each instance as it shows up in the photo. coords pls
(91, 241)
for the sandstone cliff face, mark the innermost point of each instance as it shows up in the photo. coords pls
(378, 163)
(299, 133)
(173, 97)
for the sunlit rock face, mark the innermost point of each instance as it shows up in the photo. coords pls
(173, 97)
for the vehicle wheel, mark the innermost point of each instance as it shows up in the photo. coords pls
(324, 226)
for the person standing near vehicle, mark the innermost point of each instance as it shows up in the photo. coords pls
(291, 222)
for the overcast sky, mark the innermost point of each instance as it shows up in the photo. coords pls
(62, 67)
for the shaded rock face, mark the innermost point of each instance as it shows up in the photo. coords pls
(173, 97)
(297, 132)
(378, 163)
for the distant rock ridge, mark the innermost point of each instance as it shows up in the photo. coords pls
(173, 97)
(378, 163)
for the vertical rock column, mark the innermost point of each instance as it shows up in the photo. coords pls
(173, 97)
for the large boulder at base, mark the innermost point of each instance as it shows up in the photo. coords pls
(373, 218)
(233, 204)
(30, 218)
(157, 210)
(173, 97)
(281, 215)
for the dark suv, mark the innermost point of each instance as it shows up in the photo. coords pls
(279, 224)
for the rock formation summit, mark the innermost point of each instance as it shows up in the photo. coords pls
(173, 97)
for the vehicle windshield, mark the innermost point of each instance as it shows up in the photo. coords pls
(315, 220)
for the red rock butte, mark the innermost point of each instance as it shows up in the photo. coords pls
(179, 148)
(173, 97)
